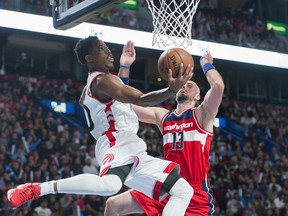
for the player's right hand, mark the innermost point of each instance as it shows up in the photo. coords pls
(175, 84)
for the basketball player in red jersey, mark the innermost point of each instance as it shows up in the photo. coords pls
(187, 132)
(112, 122)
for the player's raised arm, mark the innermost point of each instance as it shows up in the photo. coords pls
(127, 58)
(213, 97)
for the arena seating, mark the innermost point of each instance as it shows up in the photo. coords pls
(248, 160)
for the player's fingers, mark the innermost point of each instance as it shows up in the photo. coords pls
(128, 50)
(127, 47)
(189, 72)
(124, 48)
(131, 48)
(170, 74)
(181, 70)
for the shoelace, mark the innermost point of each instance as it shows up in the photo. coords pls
(26, 194)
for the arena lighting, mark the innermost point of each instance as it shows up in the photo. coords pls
(44, 24)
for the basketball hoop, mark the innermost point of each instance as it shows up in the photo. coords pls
(172, 21)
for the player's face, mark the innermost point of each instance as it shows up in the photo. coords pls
(189, 92)
(102, 56)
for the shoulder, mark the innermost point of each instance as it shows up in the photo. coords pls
(102, 77)
(203, 118)
(199, 111)
(103, 81)
(167, 115)
(160, 112)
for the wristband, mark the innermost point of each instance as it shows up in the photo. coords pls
(125, 80)
(124, 67)
(206, 67)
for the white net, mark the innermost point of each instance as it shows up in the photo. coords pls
(172, 21)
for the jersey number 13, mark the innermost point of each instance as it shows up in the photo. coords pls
(178, 142)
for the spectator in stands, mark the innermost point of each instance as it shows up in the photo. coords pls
(43, 209)
(93, 205)
(89, 167)
(260, 164)
(57, 210)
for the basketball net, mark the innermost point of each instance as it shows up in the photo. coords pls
(172, 21)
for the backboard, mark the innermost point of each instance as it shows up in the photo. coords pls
(69, 13)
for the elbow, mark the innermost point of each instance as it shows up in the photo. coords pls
(139, 102)
(219, 86)
(144, 101)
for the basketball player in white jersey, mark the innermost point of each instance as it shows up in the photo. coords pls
(187, 132)
(120, 152)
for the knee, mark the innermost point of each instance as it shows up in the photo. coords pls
(114, 189)
(111, 207)
(112, 183)
(188, 191)
(182, 189)
(111, 202)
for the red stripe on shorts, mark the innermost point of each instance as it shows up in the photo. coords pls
(158, 184)
(104, 171)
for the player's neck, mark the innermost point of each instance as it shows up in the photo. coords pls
(181, 107)
(100, 69)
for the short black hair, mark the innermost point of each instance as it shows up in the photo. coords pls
(83, 48)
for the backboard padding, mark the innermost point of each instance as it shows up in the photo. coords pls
(65, 19)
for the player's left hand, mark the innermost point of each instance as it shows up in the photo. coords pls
(128, 55)
(206, 58)
(175, 84)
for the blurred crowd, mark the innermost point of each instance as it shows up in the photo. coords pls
(247, 178)
(234, 26)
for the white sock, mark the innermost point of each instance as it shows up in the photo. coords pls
(181, 194)
(106, 185)
(47, 188)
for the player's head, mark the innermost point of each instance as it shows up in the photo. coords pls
(94, 53)
(188, 93)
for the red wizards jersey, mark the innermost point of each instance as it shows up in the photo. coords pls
(187, 144)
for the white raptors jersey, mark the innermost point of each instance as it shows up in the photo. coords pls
(107, 116)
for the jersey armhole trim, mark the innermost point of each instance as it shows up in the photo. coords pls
(94, 97)
(162, 120)
(198, 125)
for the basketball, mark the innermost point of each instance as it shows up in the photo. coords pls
(171, 59)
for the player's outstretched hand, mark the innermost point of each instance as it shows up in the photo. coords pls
(175, 84)
(128, 55)
(206, 58)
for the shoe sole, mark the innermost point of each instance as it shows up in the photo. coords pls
(8, 197)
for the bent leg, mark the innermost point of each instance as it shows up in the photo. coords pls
(90, 184)
(181, 194)
(122, 204)
(106, 185)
